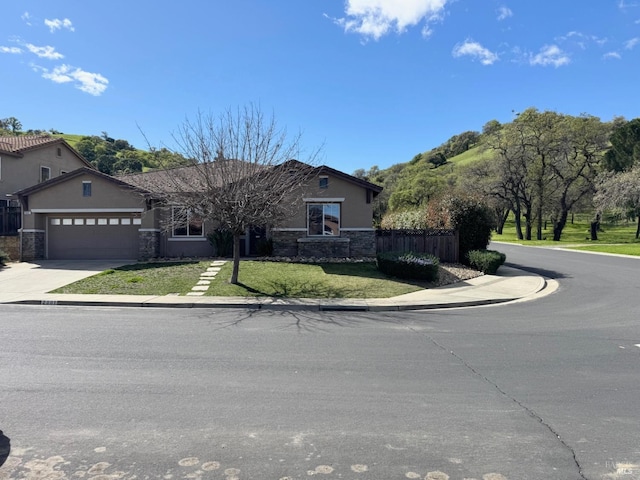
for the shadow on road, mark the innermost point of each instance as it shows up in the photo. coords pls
(552, 274)
(5, 448)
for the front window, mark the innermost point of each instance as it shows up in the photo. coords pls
(186, 223)
(86, 189)
(324, 218)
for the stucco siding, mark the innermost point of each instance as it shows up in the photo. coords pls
(69, 195)
(355, 211)
(22, 172)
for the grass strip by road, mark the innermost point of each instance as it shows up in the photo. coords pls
(256, 278)
(614, 237)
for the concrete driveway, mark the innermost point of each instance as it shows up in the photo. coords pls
(19, 280)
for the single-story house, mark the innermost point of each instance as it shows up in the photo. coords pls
(86, 214)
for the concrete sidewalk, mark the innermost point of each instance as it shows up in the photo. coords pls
(27, 283)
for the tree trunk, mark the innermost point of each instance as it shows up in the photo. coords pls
(595, 226)
(236, 259)
(539, 223)
(638, 229)
(502, 219)
(559, 225)
(518, 219)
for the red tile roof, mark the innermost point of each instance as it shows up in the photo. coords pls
(20, 143)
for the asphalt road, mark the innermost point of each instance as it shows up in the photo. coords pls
(536, 390)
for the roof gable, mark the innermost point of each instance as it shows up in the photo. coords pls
(76, 173)
(17, 145)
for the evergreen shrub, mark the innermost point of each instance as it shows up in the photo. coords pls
(486, 261)
(408, 265)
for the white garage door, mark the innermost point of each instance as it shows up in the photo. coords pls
(92, 237)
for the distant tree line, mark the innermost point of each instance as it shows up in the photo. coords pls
(540, 167)
(115, 157)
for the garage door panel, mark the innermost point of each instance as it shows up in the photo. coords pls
(72, 238)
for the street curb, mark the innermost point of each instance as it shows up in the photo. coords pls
(394, 304)
(263, 306)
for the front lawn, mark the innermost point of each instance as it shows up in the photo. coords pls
(272, 279)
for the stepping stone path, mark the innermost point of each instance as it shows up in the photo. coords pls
(205, 278)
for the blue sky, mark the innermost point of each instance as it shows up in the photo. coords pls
(373, 81)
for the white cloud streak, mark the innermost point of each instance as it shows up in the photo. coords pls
(26, 18)
(550, 55)
(57, 24)
(612, 55)
(47, 51)
(13, 50)
(91, 83)
(376, 18)
(629, 44)
(504, 13)
(475, 50)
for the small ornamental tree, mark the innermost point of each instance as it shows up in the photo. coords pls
(242, 174)
(469, 215)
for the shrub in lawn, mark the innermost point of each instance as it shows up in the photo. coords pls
(264, 247)
(409, 265)
(486, 261)
(3, 257)
(222, 240)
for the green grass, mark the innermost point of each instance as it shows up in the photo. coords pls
(629, 249)
(70, 138)
(614, 237)
(470, 156)
(257, 279)
(141, 279)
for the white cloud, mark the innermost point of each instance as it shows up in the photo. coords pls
(629, 44)
(475, 50)
(91, 83)
(10, 50)
(376, 18)
(26, 18)
(610, 55)
(550, 55)
(623, 4)
(57, 24)
(47, 51)
(504, 13)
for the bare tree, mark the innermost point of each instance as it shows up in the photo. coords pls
(243, 173)
(619, 191)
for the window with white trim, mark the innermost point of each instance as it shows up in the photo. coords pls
(86, 188)
(323, 219)
(186, 223)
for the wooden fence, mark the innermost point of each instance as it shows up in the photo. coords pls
(440, 243)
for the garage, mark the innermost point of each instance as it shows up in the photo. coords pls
(99, 237)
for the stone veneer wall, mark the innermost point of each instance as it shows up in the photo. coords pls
(33, 246)
(363, 243)
(285, 244)
(353, 244)
(331, 247)
(10, 245)
(149, 245)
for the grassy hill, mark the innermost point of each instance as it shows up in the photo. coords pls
(70, 138)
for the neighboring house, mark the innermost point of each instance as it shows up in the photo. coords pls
(26, 160)
(88, 214)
